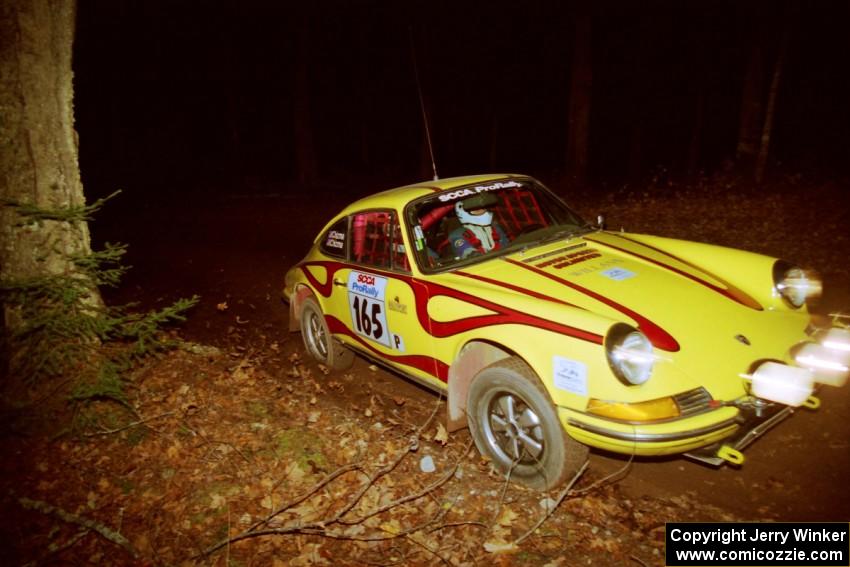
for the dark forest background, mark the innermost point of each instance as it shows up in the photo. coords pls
(257, 97)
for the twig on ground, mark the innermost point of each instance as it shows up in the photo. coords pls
(128, 426)
(55, 548)
(561, 496)
(104, 531)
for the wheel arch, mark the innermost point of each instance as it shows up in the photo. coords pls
(296, 303)
(473, 357)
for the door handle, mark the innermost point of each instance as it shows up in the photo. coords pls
(340, 283)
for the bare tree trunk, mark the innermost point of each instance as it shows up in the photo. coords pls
(751, 106)
(39, 158)
(767, 130)
(581, 84)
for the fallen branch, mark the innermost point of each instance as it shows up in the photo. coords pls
(105, 532)
(320, 527)
(128, 426)
(55, 548)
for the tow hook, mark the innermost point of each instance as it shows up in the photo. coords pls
(731, 455)
(812, 402)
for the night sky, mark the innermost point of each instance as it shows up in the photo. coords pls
(200, 96)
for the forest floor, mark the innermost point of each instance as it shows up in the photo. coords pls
(240, 433)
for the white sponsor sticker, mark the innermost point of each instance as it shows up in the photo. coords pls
(618, 274)
(367, 305)
(570, 375)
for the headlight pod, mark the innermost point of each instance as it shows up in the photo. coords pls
(794, 284)
(629, 354)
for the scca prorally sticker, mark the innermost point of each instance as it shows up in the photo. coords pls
(618, 274)
(570, 375)
(367, 304)
(460, 193)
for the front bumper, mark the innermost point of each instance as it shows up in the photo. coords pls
(648, 439)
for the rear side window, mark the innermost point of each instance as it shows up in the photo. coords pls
(335, 239)
(376, 241)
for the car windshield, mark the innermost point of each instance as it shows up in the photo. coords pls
(465, 224)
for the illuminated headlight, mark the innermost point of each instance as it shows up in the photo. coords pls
(794, 284)
(837, 339)
(829, 360)
(629, 354)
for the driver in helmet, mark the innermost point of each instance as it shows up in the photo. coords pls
(478, 232)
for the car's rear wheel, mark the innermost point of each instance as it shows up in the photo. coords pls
(514, 422)
(318, 340)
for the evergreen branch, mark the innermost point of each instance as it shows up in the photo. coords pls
(73, 214)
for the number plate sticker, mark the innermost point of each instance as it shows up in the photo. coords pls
(367, 305)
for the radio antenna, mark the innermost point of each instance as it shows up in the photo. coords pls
(422, 105)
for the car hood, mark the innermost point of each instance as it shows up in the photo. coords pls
(692, 315)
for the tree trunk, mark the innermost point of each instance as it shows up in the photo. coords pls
(750, 117)
(39, 159)
(581, 83)
(761, 162)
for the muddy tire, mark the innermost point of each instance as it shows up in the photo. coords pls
(318, 340)
(514, 422)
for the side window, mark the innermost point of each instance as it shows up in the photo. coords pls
(376, 240)
(334, 240)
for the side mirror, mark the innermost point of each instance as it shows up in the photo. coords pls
(600, 221)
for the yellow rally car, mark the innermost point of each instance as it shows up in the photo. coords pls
(549, 335)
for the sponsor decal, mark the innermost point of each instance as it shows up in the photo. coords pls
(618, 274)
(335, 240)
(395, 305)
(591, 269)
(467, 192)
(420, 237)
(565, 260)
(569, 375)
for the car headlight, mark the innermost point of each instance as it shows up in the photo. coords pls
(629, 354)
(794, 284)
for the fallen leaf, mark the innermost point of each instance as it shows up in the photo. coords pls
(222, 306)
(500, 547)
(506, 517)
(442, 436)
(217, 501)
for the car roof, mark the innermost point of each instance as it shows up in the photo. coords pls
(398, 197)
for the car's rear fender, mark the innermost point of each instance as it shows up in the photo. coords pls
(296, 302)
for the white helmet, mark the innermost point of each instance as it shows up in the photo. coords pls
(477, 202)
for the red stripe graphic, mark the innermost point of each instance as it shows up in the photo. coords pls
(658, 336)
(423, 291)
(428, 364)
(516, 288)
(730, 292)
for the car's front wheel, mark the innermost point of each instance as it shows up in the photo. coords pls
(318, 340)
(514, 422)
